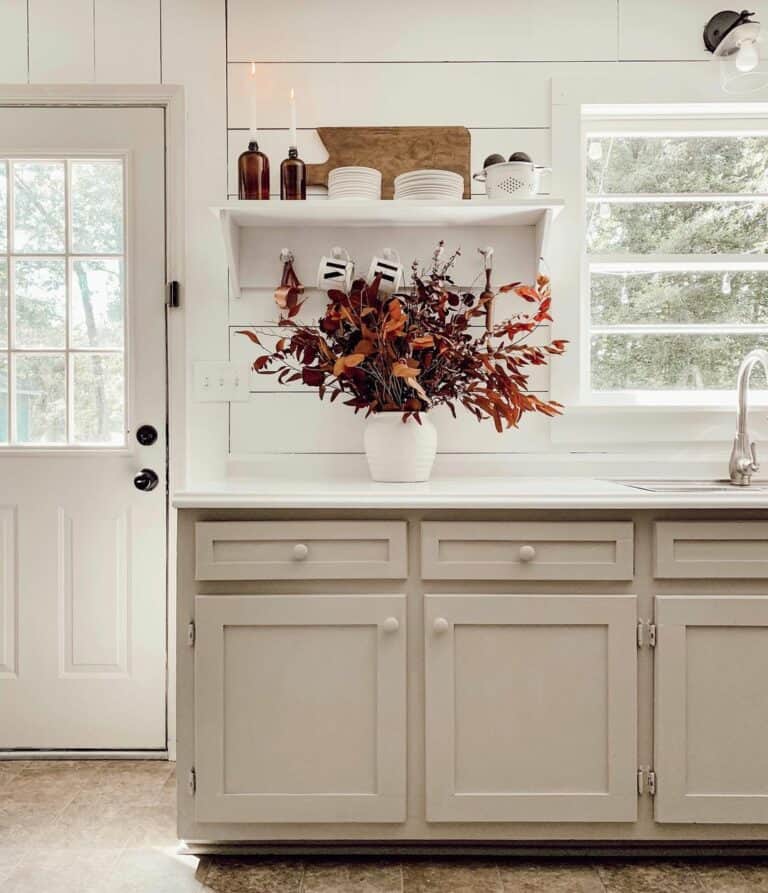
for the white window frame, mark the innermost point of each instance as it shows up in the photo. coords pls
(602, 420)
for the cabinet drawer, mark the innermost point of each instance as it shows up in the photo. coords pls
(300, 550)
(722, 549)
(519, 550)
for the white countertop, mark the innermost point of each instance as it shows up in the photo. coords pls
(448, 492)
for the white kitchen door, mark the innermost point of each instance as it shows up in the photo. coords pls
(82, 412)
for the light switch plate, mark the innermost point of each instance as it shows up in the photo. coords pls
(221, 382)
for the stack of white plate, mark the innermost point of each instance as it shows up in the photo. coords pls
(429, 185)
(354, 182)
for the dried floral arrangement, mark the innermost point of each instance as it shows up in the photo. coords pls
(417, 349)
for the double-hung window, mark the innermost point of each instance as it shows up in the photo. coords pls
(676, 271)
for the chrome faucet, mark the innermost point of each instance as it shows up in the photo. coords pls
(744, 462)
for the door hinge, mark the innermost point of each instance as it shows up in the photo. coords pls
(652, 782)
(192, 782)
(174, 290)
(652, 634)
(191, 633)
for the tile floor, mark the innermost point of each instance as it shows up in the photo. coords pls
(109, 827)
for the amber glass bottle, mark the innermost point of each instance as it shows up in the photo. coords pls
(293, 177)
(253, 173)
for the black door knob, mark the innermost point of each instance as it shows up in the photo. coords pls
(146, 480)
(146, 435)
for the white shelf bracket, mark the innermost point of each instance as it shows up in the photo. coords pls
(230, 232)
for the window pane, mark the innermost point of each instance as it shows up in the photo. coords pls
(40, 398)
(671, 362)
(4, 398)
(97, 207)
(3, 303)
(678, 228)
(40, 303)
(3, 206)
(98, 398)
(38, 195)
(653, 164)
(97, 303)
(680, 297)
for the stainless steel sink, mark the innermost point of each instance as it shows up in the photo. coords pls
(692, 486)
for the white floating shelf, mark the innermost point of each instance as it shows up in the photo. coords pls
(235, 215)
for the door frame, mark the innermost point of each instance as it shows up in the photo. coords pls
(169, 98)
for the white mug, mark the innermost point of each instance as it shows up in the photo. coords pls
(335, 271)
(390, 269)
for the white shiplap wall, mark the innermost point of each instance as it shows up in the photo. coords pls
(352, 62)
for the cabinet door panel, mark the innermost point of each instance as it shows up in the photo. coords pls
(711, 710)
(300, 708)
(531, 704)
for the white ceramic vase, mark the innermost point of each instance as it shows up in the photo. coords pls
(399, 451)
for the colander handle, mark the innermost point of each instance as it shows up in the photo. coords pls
(542, 169)
(480, 176)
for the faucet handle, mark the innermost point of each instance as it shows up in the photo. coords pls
(755, 463)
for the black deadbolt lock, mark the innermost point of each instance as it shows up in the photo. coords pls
(146, 435)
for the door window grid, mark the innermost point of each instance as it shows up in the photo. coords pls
(667, 325)
(62, 371)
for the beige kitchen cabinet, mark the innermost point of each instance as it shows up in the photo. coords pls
(711, 709)
(300, 708)
(530, 708)
(553, 550)
(735, 550)
(300, 550)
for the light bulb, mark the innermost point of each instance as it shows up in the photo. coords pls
(725, 286)
(747, 57)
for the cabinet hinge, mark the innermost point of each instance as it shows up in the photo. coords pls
(174, 290)
(652, 782)
(642, 626)
(192, 782)
(191, 633)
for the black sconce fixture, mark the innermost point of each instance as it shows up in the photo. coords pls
(734, 40)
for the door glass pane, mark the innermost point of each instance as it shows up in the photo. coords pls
(97, 207)
(97, 303)
(3, 302)
(40, 389)
(98, 398)
(41, 302)
(624, 362)
(3, 398)
(3, 206)
(39, 214)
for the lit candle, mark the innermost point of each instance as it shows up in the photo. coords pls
(252, 123)
(293, 143)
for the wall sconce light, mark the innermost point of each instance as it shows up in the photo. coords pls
(734, 39)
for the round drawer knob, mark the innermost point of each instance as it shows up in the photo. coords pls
(441, 625)
(300, 552)
(391, 625)
(527, 553)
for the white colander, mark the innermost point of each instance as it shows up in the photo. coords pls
(511, 179)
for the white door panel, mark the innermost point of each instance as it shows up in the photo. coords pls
(82, 365)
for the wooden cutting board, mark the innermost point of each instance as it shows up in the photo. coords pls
(393, 151)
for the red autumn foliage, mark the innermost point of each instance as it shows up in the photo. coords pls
(418, 349)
